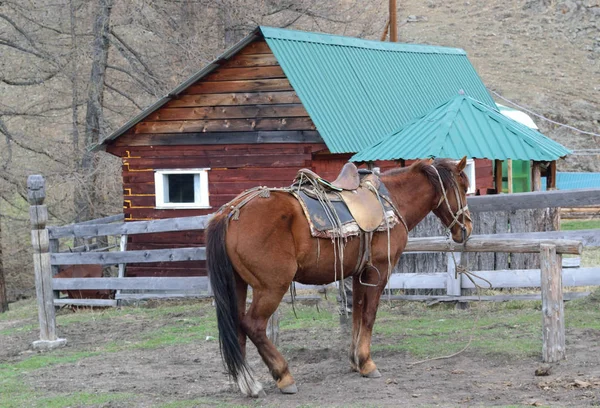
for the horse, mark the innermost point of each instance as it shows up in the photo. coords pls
(268, 245)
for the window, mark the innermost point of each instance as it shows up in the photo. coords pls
(470, 172)
(181, 188)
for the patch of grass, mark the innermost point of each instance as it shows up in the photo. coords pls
(19, 329)
(428, 332)
(569, 225)
(307, 317)
(590, 257)
(37, 361)
(16, 394)
(183, 331)
(80, 399)
(23, 309)
(150, 311)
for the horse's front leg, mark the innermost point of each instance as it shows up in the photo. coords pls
(366, 301)
(358, 293)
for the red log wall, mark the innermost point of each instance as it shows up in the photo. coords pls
(248, 93)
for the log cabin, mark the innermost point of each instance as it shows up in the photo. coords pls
(277, 101)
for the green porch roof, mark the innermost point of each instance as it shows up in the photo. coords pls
(357, 91)
(461, 127)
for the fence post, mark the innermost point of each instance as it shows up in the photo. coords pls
(453, 282)
(38, 214)
(121, 273)
(553, 316)
(54, 247)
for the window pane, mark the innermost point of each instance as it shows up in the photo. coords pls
(181, 188)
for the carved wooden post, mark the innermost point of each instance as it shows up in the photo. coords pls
(553, 314)
(38, 214)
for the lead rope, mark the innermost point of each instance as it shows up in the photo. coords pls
(458, 269)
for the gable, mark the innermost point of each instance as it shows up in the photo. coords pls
(246, 98)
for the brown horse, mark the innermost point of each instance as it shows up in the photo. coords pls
(270, 245)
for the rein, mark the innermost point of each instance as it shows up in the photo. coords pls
(463, 210)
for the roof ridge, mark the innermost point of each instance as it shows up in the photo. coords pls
(340, 40)
(448, 119)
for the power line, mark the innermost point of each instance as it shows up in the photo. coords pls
(543, 117)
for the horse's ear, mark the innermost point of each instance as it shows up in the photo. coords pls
(428, 162)
(462, 164)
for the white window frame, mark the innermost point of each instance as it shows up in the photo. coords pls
(201, 195)
(470, 172)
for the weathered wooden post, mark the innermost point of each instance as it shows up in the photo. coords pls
(498, 175)
(453, 280)
(536, 176)
(38, 214)
(553, 314)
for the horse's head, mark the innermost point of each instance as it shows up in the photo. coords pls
(451, 204)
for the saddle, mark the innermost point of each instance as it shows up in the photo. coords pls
(353, 196)
(348, 179)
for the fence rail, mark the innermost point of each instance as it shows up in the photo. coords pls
(140, 256)
(550, 245)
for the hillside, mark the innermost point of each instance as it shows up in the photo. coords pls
(541, 54)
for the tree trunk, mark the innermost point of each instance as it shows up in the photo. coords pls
(3, 298)
(94, 118)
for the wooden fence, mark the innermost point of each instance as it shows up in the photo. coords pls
(47, 257)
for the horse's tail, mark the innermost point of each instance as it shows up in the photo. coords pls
(222, 281)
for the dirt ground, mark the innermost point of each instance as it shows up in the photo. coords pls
(156, 376)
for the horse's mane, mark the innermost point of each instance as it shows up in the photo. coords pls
(445, 167)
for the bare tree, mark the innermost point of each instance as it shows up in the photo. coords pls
(72, 71)
(94, 118)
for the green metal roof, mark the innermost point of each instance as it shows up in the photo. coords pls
(461, 127)
(357, 91)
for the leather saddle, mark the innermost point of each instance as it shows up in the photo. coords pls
(355, 188)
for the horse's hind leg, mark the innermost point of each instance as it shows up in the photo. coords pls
(264, 304)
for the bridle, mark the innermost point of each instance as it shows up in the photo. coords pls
(463, 208)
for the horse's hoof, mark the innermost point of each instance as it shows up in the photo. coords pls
(260, 394)
(290, 389)
(373, 374)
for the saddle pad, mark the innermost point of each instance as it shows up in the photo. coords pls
(317, 214)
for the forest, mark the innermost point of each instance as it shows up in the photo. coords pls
(73, 71)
